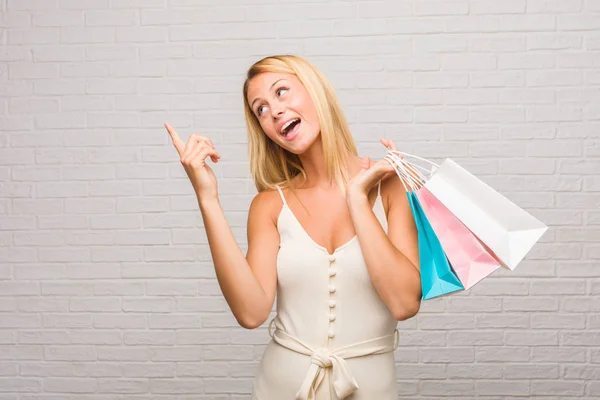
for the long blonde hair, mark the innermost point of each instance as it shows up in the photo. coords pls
(270, 164)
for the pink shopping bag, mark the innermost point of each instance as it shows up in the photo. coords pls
(470, 258)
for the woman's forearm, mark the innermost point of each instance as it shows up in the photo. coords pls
(242, 291)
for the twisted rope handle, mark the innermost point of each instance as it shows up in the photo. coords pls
(406, 171)
(413, 156)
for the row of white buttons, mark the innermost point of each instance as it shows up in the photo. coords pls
(332, 272)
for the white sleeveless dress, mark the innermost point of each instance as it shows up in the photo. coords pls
(333, 336)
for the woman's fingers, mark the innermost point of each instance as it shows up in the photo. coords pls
(389, 144)
(201, 152)
(206, 152)
(195, 141)
(177, 142)
(215, 157)
(365, 162)
(189, 147)
(193, 148)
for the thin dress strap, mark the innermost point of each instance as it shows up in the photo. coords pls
(379, 189)
(281, 194)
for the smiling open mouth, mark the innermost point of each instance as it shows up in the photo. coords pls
(291, 127)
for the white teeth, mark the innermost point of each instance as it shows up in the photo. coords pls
(283, 128)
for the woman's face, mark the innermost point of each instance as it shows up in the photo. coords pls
(284, 110)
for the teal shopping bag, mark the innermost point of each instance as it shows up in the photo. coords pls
(437, 276)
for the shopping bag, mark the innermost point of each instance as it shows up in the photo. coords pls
(508, 231)
(437, 276)
(467, 255)
(469, 258)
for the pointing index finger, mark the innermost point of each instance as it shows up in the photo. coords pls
(177, 142)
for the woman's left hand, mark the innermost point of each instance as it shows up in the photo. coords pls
(369, 175)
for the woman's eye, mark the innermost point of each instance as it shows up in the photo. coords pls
(258, 110)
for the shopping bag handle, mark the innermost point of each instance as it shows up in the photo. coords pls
(418, 180)
(403, 173)
(399, 165)
(401, 176)
(411, 168)
(412, 155)
(413, 165)
(409, 163)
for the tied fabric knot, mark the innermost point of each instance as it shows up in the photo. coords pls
(344, 383)
(321, 358)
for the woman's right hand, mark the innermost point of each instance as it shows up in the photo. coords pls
(193, 156)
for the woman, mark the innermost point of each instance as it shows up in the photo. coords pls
(331, 233)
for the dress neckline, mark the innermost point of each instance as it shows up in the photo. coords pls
(305, 233)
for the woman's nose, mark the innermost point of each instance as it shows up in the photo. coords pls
(277, 110)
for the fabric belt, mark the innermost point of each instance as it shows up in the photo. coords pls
(344, 383)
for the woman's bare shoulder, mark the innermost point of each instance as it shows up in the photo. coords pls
(266, 203)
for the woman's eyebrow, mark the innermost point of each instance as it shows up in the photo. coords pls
(258, 98)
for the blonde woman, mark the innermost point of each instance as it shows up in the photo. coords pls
(329, 232)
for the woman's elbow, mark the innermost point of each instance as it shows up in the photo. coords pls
(249, 324)
(407, 311)
(251, 321)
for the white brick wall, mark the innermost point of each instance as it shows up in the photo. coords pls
(107, 290)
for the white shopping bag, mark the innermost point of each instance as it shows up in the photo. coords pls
(506, 229)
